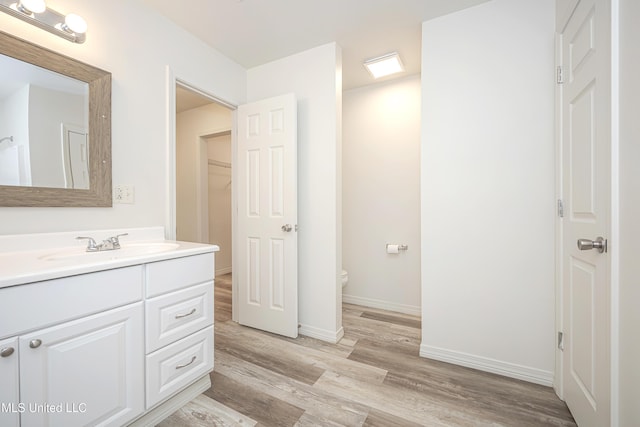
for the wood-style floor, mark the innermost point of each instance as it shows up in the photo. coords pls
(373, 377)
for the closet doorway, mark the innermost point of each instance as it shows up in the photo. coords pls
(204, 176)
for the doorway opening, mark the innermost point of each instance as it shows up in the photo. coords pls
(203, 171)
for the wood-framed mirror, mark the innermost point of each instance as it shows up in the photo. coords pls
(94, 189)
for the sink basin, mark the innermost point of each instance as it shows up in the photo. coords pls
(126, 251)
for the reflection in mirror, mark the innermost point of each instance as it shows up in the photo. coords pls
(44, 120)
(55, 132)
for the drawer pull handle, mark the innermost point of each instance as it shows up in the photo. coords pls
(180, 316)
(6, 352)
(35, 343)
(193, 359)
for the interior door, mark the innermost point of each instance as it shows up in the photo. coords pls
(76, 157)
(586, 183)
(267, 252)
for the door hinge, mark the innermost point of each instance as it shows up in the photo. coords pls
(559, 76)
(560, 208)
(560, 341)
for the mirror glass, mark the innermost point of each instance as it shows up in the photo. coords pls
(44, 121)
(55, 128)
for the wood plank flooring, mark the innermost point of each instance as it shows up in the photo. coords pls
(374, 377)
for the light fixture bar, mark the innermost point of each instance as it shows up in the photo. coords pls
(49, 20)
(384, 65)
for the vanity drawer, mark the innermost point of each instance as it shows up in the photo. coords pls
(41, 304)
(177, 365)
(178, 273)
(173, 316)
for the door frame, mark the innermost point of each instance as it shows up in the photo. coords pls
(562, 17)
(171, 81)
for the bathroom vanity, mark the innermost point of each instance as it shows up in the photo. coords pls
(122, 337)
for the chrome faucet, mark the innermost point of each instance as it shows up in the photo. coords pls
(109, 244)
(91, 246)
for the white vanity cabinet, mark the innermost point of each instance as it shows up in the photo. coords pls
(79, 346)
(9, 390)
(179, 319)
(122, 342)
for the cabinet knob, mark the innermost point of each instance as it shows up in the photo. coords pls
(6, 352)
(35, 343)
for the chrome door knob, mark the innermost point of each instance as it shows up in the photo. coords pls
(287, 228)
(586, 245)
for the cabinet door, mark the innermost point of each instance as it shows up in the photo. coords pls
(88, 371)
(9, 405)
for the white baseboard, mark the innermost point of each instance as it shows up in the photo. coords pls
(525, 373)
(222, 271)
(321, 334)
(168, 407)
(384, 305)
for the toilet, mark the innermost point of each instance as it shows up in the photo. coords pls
(345, 278)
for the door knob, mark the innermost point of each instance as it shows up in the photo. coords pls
(287, 228)
(586, 245)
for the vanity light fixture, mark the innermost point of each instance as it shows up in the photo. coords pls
(384, 65)
(31, 6)
(71, 27)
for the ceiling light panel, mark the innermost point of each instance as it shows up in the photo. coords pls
(384, 65)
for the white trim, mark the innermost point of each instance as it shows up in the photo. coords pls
(384, 305)
(170, 206)
(169, 406)
(486, 364)
(615, 215)
(202, 174)
(321, 334)
(234, 214)
(559, 326)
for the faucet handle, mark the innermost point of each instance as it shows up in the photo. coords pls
(115, 240)
(91, 244)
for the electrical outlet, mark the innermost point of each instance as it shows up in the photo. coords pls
(123, 194)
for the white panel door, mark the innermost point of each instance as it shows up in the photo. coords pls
(267, 265)
(76, 156)
(586, 157)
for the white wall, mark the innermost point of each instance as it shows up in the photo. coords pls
(313, 76)
(136, 45)
(488, 188)
(381, 194)
(629, 213)
(192, 128)
(16, 124)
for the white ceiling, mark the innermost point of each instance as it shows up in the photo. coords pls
(254, 32)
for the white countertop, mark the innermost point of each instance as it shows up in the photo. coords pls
(36, 257)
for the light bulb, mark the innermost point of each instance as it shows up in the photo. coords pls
(75, 24)
(31, 6)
